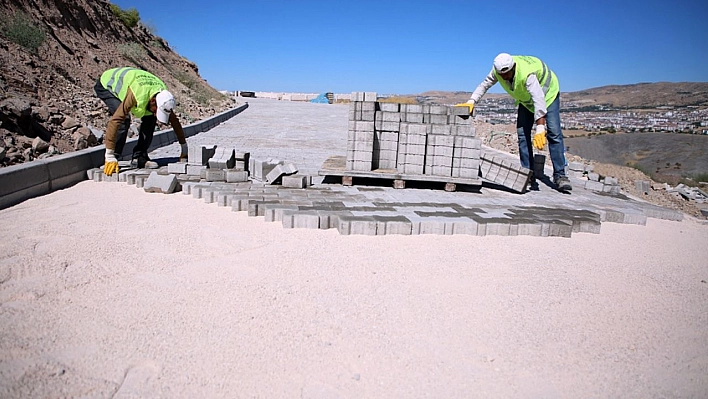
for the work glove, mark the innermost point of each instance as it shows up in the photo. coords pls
(185, 151)
(539, 137)
(468, 104)
(111, 165)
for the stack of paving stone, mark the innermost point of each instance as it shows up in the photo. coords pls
(504, 169)
(212, 163)
(411, 139)
(594, 181)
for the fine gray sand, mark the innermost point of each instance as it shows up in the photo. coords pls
(109, 291)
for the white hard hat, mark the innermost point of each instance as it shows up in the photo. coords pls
(165, 104)
(503, 63)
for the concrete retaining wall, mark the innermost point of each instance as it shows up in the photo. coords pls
(32, 179)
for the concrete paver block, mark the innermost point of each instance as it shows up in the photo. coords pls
(223, 158)
(236, 176)
(156, 183)
(177, 168)
(215, 175)
(280, 170)
(200, 154)
(295, 181)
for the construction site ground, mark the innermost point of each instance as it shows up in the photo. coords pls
(107, 290)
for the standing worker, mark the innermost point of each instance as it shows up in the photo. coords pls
(133, 91)
(530, 82)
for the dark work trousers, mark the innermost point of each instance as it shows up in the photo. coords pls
(147, 125)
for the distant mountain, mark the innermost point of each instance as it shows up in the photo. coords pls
(643, 95)
(640, 95)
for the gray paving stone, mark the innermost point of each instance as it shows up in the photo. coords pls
(236, 176)
(156, 183)
(375, 210)
(177, 168)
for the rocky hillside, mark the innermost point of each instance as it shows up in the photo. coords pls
(51, 54)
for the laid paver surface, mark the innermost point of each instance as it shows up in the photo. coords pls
(308, 134)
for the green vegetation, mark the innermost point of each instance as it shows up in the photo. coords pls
(129, 17)
(21, 30)
(200, 92)
(699, 177)
(150, 27)
(661, 176)
(637, 166)
(132, 51)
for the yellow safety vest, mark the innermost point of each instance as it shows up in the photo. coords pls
(143, 84)
(525, 66)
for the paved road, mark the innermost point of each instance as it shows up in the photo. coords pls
(307, 134)
(302, 133)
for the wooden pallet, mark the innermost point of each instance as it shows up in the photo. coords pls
(336, 166)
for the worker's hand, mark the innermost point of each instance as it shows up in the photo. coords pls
(185, 151)
(468, 104)
(539, 137)
(111, 164)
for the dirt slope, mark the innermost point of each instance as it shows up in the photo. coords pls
(46, 90)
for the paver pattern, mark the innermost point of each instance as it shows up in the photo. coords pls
(307, 135)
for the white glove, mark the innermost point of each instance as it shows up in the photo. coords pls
(110, 156)
(185, 152)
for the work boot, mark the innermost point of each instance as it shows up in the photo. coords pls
(563, 183)
(533, 184)
(142, 161)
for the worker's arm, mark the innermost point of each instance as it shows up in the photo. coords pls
(110, 165)
(539, 113)
(539, 99)
(117, 119)
(489, 81)
(179, 132)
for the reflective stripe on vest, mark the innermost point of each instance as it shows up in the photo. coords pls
(525, 66)
(143, 84)
(119, 85)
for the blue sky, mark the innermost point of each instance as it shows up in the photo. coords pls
(408, 47)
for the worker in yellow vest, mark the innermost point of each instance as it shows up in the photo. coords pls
(536, 90)
(133, 91)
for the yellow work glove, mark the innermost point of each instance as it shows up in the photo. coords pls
(111, 165)
(184, 155)
(468, 104)
(539, 137)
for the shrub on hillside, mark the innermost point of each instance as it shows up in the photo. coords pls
(132, 51)
(129, 17)
(21, 30)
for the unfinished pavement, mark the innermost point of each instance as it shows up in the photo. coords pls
(307, 135)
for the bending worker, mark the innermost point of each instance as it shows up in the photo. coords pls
(133, 91)
(537, 93)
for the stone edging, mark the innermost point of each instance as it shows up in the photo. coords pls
(32, 179)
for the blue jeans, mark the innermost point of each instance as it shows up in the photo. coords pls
(524, 129)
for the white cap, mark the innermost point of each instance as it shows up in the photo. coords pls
(165, 104)
(503, 63)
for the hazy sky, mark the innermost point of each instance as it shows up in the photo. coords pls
(407, 47)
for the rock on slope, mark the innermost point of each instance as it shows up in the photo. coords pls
(46, 90)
